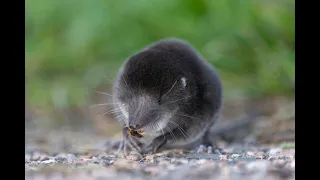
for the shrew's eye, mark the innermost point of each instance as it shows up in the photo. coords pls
(159, 100)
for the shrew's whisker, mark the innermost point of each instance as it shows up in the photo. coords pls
(103, 104)
(99, 92)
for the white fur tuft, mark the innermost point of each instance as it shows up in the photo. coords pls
(184, 82)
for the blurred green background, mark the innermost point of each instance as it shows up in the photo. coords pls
(73, 45)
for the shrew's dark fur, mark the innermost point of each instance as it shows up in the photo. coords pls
(171, 92)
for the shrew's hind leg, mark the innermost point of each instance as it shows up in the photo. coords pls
(208, 145)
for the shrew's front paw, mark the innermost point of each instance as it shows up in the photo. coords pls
(129, 142)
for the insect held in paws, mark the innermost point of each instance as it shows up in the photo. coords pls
(135, 133)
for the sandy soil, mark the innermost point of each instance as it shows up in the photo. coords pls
(66, 155)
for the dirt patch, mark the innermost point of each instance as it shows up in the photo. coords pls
(88, 158)
(261, 150)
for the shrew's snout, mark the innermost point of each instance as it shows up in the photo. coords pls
(134, 125)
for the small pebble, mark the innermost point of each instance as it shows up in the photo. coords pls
(86, 160)
(38, 156)
(60, 159)
(150, 157)
(235, 155)
(103, 160)
(133, 157)
(27, 157)
(274, 151)
(112, 161)
(45, 158)
(49, 161)
(201, 149)
(260, 155)
(223, 157)
(95, 160)
(71, 158)
(34, 163)
(86, 157)
(217, 151)
(271, 158)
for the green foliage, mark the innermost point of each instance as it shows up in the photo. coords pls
(71, 45)
(287, 145)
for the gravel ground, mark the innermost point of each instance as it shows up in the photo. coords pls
(86, 157)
